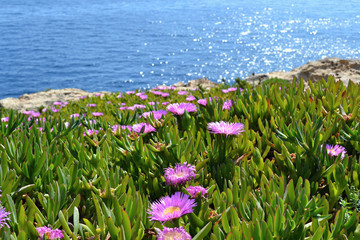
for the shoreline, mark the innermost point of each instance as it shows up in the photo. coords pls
(342, 69)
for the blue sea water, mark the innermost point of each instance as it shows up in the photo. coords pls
(118, 45)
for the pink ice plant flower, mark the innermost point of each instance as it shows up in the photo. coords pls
(204, 101)
(117, 128)
(97, 114)
(180, 174)
(165, 94)
(136, 106)
(165, 103)
(156, 114)
(75, 115)
(57, 103)
(225, 128)
(152, 103)
(180, 108)
(334, 151)
(91, 105)
(4, 216)
(182, 92)
(173, 234)
(5, 119)
(195, 191)
(143, 97)
(130, 92)
(90, 132)
(227, 105)
(30, 112)
(49, 233)
(190, 98)
(139, 94)
(232, 89)
(156, 93)
(169, 208)
(147, 128)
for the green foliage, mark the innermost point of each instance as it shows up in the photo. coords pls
(273, 181)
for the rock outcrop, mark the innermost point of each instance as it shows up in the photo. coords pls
(341, 69)
(194, 84)
(45, 98)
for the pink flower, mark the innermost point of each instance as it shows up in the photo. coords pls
(225, 128)
(50, 234)
(165, 103)
(190, 98)
(90, 132)
(157, 93)
(136, 106)
(152, 103)
(4, 216)
(169, 208)
(57, 103)
(165, 94)
(139, 94)
(173, 234)
(117, 128)
(143, 97)
(75, 115)
(182, 92)
(195, 191)
(91, 105)
(334, 151)
(28, 112)
(97, 114)
(130, 92)
(157, 114)
(232, 89)
(204, 101)
(146, 127)
(180, 108)
(5, 119)
(179, 174)
(227, 105)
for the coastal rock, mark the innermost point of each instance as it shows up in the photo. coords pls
(342, 69)
(45, 98)
(194, 84)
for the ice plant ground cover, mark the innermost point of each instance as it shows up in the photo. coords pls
(272, 178)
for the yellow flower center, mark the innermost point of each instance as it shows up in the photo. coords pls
(179, 174)
(173, 235)
(170, 210)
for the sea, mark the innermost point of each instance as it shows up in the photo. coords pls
(120, 45)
